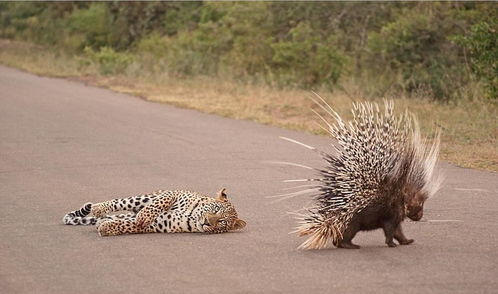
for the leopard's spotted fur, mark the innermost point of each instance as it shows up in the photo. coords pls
(160, 212)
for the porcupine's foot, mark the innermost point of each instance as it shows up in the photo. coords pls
(405, 242)
(400, 237)
(348, 245)
(348, 235)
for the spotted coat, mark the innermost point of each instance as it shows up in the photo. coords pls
(160, 212)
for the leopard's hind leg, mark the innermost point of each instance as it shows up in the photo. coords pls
(134, 204)
(143, 221)
(82, 217)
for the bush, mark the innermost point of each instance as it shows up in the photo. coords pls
(405, 48)
(108, 60)
(90, 26)
(482, 45)
(307, 61)
(196, 52)
(153, 45)
(416, 51)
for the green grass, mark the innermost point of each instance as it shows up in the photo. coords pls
(469, 127)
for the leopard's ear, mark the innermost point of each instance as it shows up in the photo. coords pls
(222, 195)
(239, 224)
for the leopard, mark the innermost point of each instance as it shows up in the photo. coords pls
(162, 211)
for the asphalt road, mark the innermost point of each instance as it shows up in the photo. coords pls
(63, 143)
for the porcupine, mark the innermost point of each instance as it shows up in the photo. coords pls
(384, 171)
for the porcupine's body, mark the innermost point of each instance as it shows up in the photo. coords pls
(383, 173)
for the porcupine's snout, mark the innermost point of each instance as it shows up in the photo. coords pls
(415, 213)
(415, 207)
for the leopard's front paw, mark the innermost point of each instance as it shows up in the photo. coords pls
(99, 209)
(108, 228)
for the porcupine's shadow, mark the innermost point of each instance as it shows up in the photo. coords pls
(370, 250)
(368, 241)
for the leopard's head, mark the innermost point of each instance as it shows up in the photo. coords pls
(221, 216)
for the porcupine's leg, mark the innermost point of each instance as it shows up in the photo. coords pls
(400, 237)
(348, 235)
(389, 228)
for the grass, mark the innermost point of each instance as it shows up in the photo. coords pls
(469, 127)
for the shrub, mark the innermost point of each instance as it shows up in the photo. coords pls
(416, 50)
(404, 48)
(482, 45)
(91, 25)
(108, 60)
(306, 60)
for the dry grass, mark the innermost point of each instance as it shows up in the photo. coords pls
(469, 127)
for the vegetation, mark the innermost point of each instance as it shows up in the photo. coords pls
(438, 49)
(259, 60)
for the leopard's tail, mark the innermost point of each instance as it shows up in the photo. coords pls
(80, 216)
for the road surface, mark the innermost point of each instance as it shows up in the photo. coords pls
(63, 143)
